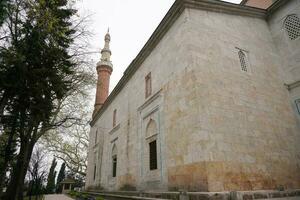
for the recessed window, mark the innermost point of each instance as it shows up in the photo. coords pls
(153, 155)
(114, 117)
(292, 26)
(94, 172)
(114, 161)
(243, 60)
(297, 102)
(96, 137)
(148, 86)
(114, 172)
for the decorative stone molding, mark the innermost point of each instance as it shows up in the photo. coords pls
(114, 129)
(293, 85)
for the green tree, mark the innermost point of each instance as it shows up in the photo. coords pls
(50, 188)
(37, 72)
(60, 177)
(3, 10)
(7, 155)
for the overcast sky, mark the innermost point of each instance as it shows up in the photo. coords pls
(131, 23)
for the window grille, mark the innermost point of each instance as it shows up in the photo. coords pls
(153, 155)
(114, 172)
(148, 86)
(243, 62)
(292, 26)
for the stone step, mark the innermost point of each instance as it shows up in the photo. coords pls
(111, 196)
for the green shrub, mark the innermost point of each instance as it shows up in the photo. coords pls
(99, 198)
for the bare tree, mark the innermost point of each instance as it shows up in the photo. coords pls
(70, 144)
(36, 173)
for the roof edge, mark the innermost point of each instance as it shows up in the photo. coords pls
(171, 16)
(225, 7)
(275, 6)
(168, 20)
(243, 2)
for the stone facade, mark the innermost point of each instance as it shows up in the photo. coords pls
(288, 50)
(216, 127)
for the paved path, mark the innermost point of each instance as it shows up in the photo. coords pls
(57, 197)
(285, 198)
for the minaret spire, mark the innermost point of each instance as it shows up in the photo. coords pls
(104, 70)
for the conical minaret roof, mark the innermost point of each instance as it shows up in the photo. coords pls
(105, 53)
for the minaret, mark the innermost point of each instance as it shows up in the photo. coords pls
(104, 70)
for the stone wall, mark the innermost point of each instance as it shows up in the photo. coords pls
(288, 49)
(241, 133)
(218, 128)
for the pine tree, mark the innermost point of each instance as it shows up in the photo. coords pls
(50, 188)
(37, 72)
(60, 177)
(3, 10)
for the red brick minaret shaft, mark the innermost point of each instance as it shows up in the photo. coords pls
(104, 70)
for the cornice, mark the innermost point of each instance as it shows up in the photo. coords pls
(277, 4)
(169, 19)
(171, 16)
(243, 2)
(293, 85)
(225, 7)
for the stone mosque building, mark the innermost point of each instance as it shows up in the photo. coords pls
(210, 103)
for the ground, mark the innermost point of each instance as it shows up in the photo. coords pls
(57, 197)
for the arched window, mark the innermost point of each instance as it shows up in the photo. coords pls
(292, 26)
(242, 57)
(114, 161)
(151, 130)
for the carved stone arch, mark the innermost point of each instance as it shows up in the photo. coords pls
(151, 128)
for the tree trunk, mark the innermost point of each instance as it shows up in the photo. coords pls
(3, 103)
(15, 187)
(7, 159)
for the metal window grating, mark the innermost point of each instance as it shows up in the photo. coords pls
(292, 26)
(242, 57)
